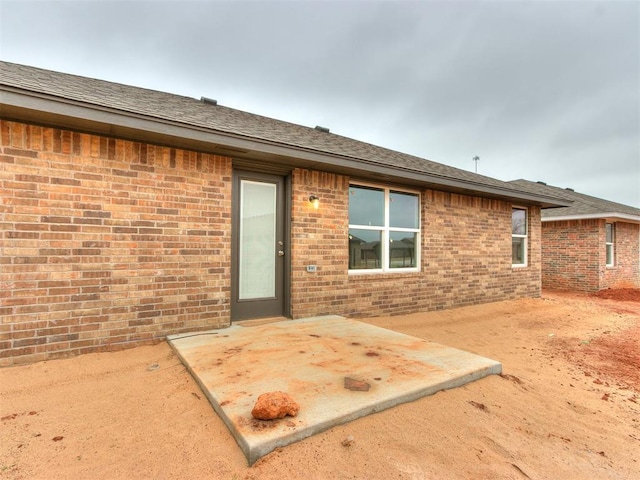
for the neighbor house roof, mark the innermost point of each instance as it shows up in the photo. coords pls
(107, 108)
(582, 206)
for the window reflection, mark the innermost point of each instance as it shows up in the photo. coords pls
(403, 210)
(402, 249)
(366, 206)
(364, 248)
(518, 221)
(517, 251)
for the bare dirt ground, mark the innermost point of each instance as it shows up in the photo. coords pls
(566, 406)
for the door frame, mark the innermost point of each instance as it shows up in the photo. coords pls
(283, 222)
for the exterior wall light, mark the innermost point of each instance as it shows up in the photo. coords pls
(314, 200)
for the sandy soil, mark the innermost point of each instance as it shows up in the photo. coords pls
(567, 406)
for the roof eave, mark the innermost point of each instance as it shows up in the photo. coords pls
(608, 216)
(55, 111)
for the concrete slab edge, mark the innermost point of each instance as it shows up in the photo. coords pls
(212, 401)
(255, 453)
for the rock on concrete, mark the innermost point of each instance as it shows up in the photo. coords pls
(272, 405)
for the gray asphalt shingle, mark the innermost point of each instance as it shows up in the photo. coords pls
(582, 204)
(195, 113)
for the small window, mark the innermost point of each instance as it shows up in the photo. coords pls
(610, 238)
(384, 229)
(519, 237)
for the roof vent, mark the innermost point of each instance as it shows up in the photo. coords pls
(209, 101)
(541, 183)
(322, 129)
(570, 189)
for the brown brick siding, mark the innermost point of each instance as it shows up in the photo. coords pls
(571, 252)
(107, 243)
(626, 269)
(466, 255)
(318, 238)
(574, 255)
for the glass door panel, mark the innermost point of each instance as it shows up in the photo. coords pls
(257, 242)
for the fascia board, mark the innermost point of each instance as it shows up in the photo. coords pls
(613, 216)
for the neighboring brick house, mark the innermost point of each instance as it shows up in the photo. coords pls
(129, 214)
(590, 245)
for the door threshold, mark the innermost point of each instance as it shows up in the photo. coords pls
(259, 321)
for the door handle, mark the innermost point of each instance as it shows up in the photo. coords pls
(281, 253)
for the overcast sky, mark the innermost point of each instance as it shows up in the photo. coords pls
(538, 90)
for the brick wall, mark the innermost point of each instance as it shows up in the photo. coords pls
(466, 255)
(574, 255)
(107, 243)
(319, 238)
(467, 250)
(626, 269)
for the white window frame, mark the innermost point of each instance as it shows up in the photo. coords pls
(386, 229)
(610, 246)
(525, 259)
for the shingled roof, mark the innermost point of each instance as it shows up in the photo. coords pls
(582, 207)
(98, 106)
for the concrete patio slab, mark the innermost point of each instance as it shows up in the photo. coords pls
(314, 360)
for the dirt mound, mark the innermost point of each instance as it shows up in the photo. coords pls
(622, 294)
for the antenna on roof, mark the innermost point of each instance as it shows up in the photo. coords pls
(475, 159)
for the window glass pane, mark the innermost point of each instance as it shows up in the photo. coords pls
(402, 251)
(518, 222)
(366, 206)
(517, 250)
(364, 248)
(609, 228)
(609, 255)
(403, 210)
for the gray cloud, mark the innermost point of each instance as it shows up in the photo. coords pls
(539, 90)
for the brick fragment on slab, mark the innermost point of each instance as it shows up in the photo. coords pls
(272, 405)
(356, 385)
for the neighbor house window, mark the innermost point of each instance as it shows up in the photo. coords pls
(384, 229)
(610, 237)
(519, 237)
